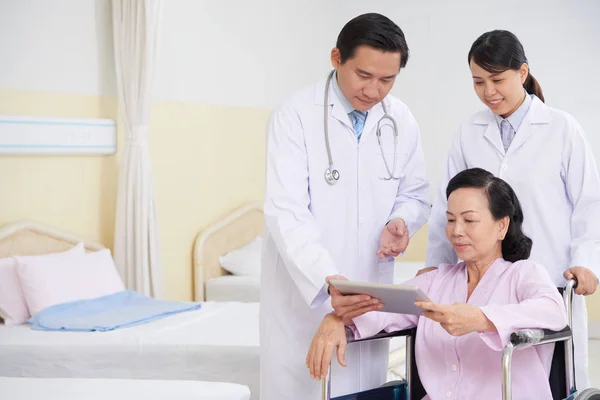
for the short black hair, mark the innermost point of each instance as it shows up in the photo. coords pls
(373, 30)
(503, 202)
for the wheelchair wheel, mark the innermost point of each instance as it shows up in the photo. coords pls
(589, 394)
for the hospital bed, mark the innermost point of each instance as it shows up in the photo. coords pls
(217, 343)
(234, 231)
(118, 389)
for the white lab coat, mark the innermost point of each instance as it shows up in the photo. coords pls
(313, 230)
(553, 172)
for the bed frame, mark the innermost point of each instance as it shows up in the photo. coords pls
(32, 238)
(231, 232)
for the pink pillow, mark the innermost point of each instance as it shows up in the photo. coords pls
(13, 306)
(52, 281)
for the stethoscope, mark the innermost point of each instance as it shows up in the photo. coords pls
(332, 175)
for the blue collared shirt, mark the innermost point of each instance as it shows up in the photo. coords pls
(516, 118)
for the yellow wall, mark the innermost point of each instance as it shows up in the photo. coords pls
(593, 304)
(208, 161)
(73, 193)
(416, 247)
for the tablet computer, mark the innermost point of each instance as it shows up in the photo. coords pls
(398, 299)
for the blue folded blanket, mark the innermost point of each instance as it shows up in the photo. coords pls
(119, 310)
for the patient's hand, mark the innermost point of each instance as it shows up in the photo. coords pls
(331, 334)
(457, 319)
(351, 306)
(587, 282)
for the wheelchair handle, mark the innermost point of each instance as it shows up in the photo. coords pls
(569, 290)
(533, 337)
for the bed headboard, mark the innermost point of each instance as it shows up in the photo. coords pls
(32, 238)
(231, 232)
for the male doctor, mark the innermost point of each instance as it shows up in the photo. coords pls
(344, 204)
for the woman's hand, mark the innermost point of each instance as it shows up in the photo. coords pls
(457, 319)
(331, 334)
(351, 306)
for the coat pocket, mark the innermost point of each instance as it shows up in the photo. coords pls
(386, 270)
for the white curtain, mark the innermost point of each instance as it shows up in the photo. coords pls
(136, 248)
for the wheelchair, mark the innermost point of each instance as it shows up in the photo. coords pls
(562, 371)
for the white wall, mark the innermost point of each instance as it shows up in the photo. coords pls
(257, 53)
(57, 46)
(243, 53)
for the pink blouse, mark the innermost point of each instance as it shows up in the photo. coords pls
(513, 296)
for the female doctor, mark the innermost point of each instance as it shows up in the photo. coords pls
(543, 154)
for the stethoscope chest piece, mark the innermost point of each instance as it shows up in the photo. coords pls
(332, 175)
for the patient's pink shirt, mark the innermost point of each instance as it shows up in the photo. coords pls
(513, 296)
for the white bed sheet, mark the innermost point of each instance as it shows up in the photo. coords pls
(233, 288)
(218, 343)
(118, 389)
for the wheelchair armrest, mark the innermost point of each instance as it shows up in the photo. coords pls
(534, 337)
(385, 335)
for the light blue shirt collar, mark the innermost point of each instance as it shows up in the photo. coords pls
(338, 92)
(516, 118)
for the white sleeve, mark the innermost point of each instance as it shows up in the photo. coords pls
(583, 189)
(412, 199)
(286, 208)
(439, 249)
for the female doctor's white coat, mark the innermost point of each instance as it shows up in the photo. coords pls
(313, 230)
(552, 170)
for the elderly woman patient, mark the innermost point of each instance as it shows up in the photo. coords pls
(476, 304)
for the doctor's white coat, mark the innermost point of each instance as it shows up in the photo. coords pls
(552, 170)
(313, 230)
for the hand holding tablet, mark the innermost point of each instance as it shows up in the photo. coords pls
(398, 299)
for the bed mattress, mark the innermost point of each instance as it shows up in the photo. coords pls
(217, 343)
(118, 389)
(233, 288)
